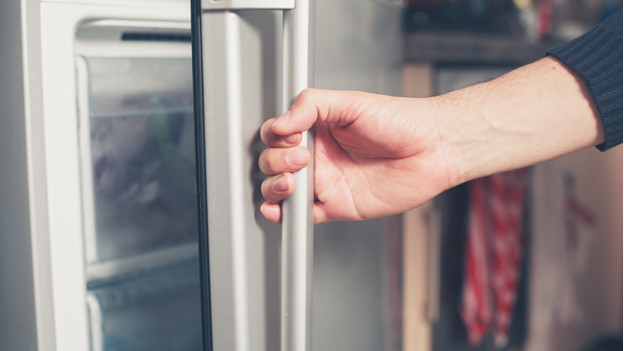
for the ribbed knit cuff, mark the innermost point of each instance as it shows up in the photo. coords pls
(597, 57)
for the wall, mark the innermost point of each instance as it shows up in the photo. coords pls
(576, 287)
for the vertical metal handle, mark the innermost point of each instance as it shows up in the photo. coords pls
(297, 219)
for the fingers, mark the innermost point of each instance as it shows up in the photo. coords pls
(283, 136)
(273, 212)
(273, 160)
(277, 188)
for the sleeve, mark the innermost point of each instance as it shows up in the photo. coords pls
(597, 57)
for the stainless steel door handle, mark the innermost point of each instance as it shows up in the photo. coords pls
(297, 216)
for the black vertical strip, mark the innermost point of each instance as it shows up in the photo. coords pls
(200, 155)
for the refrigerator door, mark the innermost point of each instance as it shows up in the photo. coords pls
(357, 265)
(244, 75)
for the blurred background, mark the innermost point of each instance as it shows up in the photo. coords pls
(551, 279)
(98, 203)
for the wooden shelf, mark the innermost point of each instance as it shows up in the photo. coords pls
(470, 48)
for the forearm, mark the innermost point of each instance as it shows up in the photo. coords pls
(535, 113)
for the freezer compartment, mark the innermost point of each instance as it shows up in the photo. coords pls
(159, 311)
(137, 155)
(138, 185)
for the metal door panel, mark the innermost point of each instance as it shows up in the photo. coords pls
(240, 85)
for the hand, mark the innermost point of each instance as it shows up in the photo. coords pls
(374, 155)
(378, 155)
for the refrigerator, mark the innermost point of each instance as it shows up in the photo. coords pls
(129, 221)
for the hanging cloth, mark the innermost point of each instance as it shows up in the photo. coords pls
(494, 253)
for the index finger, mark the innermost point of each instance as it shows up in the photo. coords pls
(329, 106)
(271, 139)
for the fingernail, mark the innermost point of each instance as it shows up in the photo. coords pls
(297, 157)
(279, 184)
(281, 120)
(291, 139)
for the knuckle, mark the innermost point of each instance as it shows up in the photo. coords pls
(269, 163)
(266, 189)
(306, 94)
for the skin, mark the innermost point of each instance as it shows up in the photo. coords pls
(378, 155)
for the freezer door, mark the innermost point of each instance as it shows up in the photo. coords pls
(251, 58)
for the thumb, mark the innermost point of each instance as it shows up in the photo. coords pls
(312, 105)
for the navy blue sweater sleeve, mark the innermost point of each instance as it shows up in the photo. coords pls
(597, 57)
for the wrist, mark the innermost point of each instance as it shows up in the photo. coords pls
(538, 112)
(460, 135)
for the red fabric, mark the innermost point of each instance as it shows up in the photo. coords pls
(476, 306)
(494, 253)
